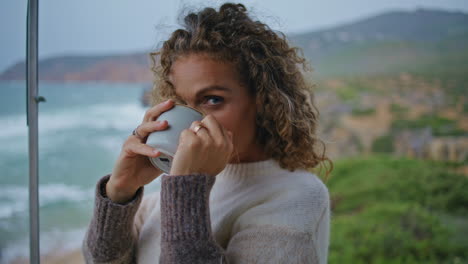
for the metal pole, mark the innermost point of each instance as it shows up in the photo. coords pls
(32, 123)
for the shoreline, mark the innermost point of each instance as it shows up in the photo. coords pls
(70, 257)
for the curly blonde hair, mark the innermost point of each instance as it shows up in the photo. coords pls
(286, 118)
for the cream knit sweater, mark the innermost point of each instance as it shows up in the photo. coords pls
(258, 213)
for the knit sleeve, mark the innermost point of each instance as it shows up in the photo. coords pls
(262, 238)
(186, 235)
(111, 235)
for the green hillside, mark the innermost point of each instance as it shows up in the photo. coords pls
(398, 210)
(422, 41)
(393, 57)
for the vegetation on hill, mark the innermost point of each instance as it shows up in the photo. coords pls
(422, 41)
(440, 126)
(397, 210)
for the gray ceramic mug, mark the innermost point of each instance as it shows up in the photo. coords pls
(179, 117)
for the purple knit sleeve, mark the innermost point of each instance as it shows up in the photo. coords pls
(186, 235)
(109, 238)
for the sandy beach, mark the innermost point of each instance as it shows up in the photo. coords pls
(71, 257)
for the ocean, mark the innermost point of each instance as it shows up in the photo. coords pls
(82, 127)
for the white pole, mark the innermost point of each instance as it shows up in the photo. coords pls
(32, 122)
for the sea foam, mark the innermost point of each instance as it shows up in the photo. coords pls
(100, 116)
(14, 199)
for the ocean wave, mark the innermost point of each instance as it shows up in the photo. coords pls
(113, 144)
(14, 199)
(122, 117)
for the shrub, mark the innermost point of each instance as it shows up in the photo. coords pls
(440, 126)
(383, 144)
(363, 112)
(397, 210)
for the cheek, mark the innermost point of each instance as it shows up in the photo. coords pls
(241, 124)
(228, 120)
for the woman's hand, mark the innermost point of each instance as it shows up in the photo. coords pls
(203, 150)
(133, 168)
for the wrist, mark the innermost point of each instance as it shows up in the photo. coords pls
(119, 193)
(177, 170)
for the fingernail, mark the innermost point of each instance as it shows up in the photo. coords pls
(155, 151)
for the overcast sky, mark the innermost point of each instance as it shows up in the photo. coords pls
(122, 26)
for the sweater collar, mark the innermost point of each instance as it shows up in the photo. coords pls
(250, 170)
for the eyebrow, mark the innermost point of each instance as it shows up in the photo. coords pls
(212, 88)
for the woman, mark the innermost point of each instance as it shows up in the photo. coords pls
(238, 190)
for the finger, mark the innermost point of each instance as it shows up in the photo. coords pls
(190, 139)
(200, 130)
(196, 126)
(215, 129)
(134, 147)
(155, 111)
(148, 127)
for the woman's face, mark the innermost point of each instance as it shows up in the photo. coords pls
(214, 87)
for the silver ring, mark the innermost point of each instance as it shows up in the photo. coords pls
(135, 133)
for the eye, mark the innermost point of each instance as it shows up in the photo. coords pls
(213, 100)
